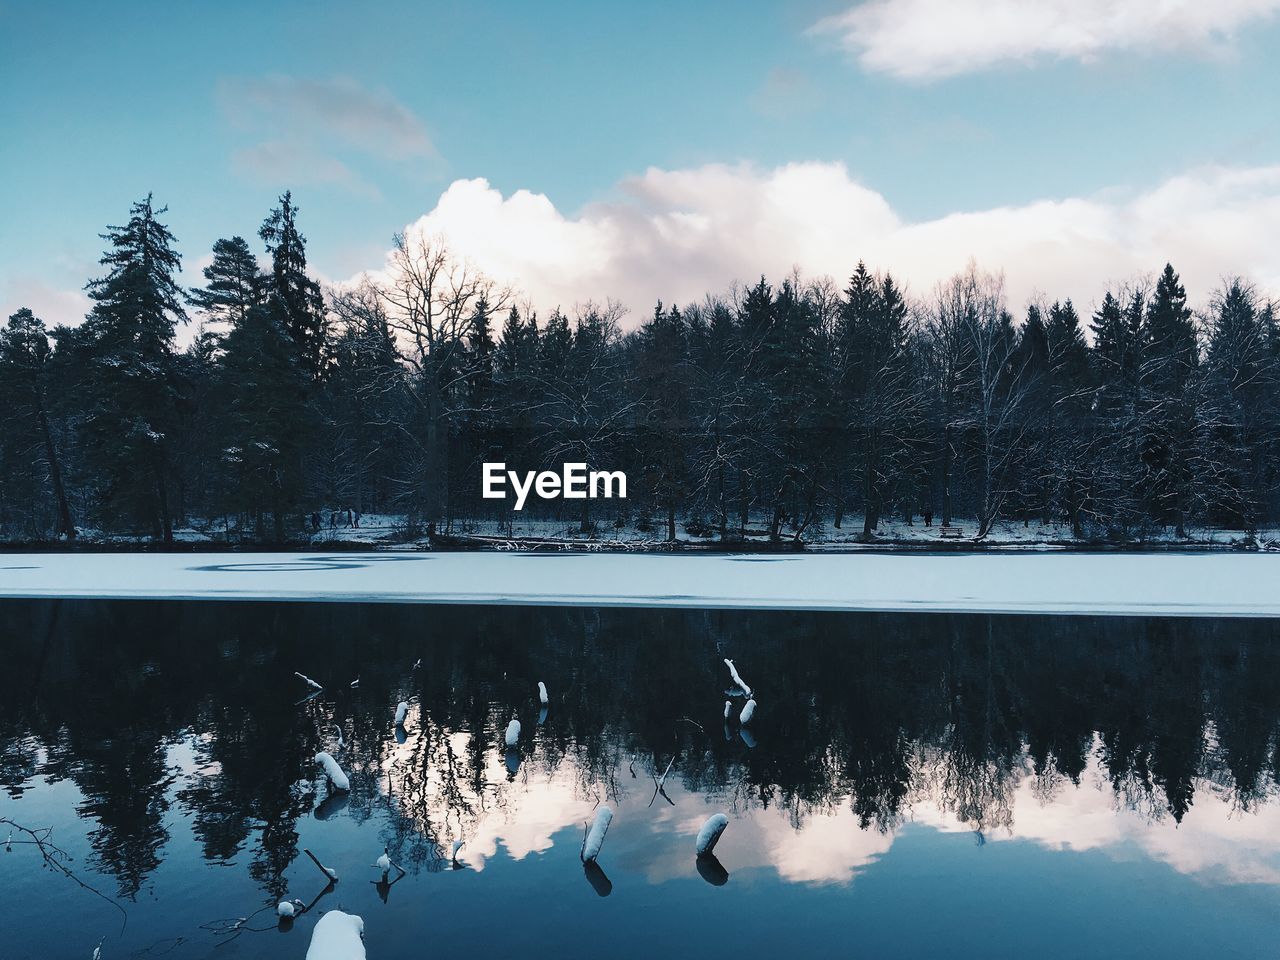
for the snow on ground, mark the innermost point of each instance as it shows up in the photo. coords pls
(1204, 584)
(383, 529)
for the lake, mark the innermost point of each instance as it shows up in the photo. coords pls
(911, 785)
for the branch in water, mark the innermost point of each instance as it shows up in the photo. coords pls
(56, 858)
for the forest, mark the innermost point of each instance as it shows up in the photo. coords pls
(773, 411)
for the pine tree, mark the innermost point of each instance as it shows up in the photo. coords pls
(233, 283)
(1167, 407)
(665, 379)
(871, 346)
(28, 436)
(293, 297)
(266, 422)
(1241, 418)
(131, 401)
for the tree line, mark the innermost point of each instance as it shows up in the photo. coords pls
(776, 410)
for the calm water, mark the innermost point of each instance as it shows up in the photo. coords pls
(911, 786)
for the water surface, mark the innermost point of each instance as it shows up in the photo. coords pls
(912, 785)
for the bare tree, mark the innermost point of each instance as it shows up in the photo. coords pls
(430, 298)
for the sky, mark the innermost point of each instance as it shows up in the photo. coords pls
(584, 151)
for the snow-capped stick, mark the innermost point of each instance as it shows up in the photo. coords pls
(309, 682)
(402, 711)
(330, 875)
(594, 839)
(337, 936)
(709, 835)
(733, 672)
(542, 693)
(513, 733)
(748, 712)
(662, 780)
(333, 771)
(728, 708)
(341, 741)
(457, 845)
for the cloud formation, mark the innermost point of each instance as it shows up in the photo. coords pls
(307, 122)
(676, 235)
(925, 39)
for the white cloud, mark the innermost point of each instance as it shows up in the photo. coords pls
(679, 234)
(923, 39)
(54, 305)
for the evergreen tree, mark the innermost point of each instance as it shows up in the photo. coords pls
(131, 395)
(1167, 407)
(28, 438)
(1241, 419)
(233, 283)
(293, 297)
(266, 422)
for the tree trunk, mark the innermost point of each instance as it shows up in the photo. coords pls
(65, 526)
(868, 489)
(946, 476)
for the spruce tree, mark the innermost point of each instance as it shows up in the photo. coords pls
(131, 395)
(293, 297)
(29, 442)
(1167, 406)
(266, 423)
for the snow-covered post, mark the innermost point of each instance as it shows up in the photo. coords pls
(709, 835)
(333, 771)
(384, 864)
(595, 836)
(337, 936)
(402, 711)
(738, 681)
(513, 733)
(542, 693)
(748, 712)
(728, 709)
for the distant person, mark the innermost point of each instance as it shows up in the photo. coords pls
(357, 519)
(333, 519)
(348, 516)
(928, 516)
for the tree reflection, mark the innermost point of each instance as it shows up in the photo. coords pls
(152, 708)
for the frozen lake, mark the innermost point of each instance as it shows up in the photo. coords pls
(1206, 584)
(955, 785)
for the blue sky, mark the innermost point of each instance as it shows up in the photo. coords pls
(370, 114)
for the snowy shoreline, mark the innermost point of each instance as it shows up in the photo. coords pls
(1153, 584)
